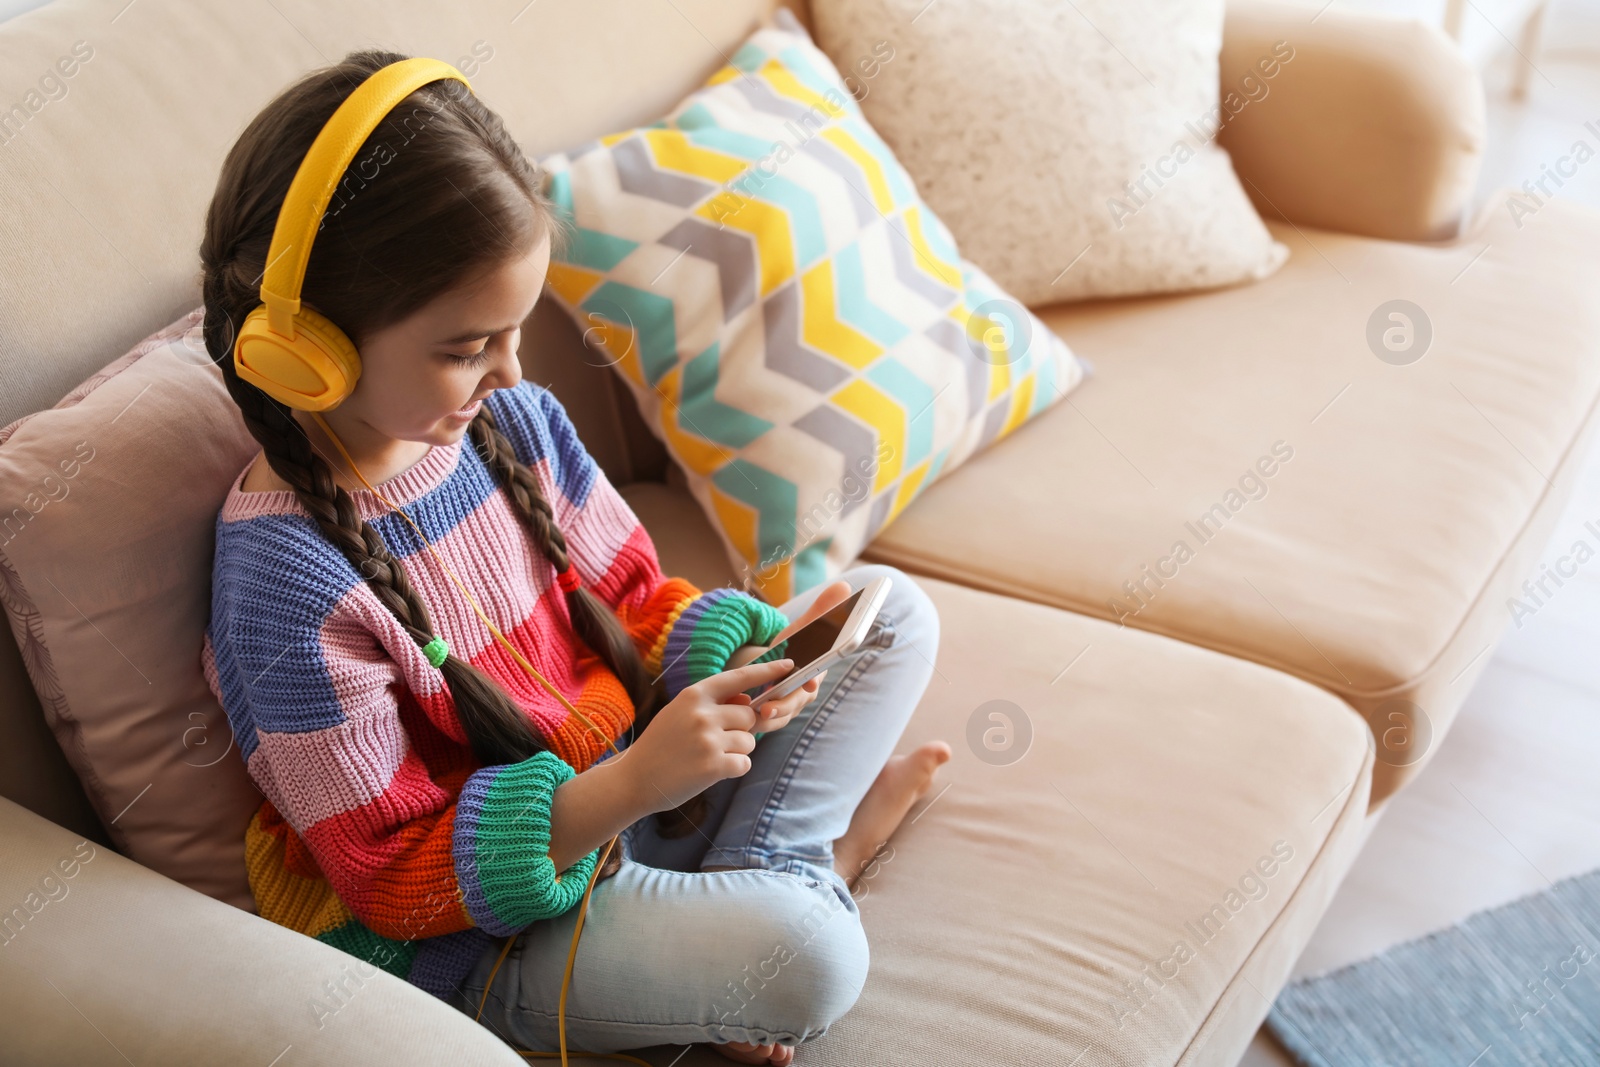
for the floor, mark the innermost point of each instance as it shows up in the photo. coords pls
(1511, 801)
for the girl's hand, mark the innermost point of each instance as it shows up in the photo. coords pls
(775, 714)
(702, 736)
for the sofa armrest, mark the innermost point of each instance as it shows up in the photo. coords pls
(1375, 126)
(98, 953)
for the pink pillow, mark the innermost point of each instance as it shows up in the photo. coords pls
(105, 565)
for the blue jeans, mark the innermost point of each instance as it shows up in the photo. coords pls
(771, 952)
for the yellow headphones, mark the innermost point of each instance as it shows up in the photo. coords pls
(290, 352)
(297, 356)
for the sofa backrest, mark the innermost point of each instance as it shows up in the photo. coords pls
(105, 173)
(115, 119)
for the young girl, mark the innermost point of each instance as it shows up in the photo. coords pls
(428, 803)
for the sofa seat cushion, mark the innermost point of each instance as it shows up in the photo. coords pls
(1091, 873)
(1253, 470)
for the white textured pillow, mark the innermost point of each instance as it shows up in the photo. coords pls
(1069, 146)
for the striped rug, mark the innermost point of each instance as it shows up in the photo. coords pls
(1517, 984)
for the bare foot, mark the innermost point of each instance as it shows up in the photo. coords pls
(903, 780)
(745, 1052)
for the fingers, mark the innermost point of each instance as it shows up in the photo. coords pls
(776, 713)
(797, 699)
(773, 725)
(735, 765)
(833, 593)
(737, 744)
(724, 686)
(741, 742)
(785, 706)
(734, 717)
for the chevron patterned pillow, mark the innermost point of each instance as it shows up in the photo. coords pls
(797, 326)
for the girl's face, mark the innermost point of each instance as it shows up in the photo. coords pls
(424, 377)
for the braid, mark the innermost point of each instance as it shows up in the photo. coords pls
(291, 456)
(465, 196)
(496, 727)
(520, 485)
(592, 618)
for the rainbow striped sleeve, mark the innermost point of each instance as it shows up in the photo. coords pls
(414, 837)
(502, 846)
(683, 633)
(704, 630)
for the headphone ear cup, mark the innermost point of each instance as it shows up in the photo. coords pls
(314, 371)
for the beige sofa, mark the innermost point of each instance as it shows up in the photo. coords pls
(1196, 774)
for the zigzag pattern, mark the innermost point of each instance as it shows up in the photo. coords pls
(797, 325)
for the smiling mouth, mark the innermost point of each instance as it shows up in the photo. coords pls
(469, 409)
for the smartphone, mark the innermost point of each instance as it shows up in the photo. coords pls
(827, 639)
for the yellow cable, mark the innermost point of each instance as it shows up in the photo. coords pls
(583, 906)
(493, 629)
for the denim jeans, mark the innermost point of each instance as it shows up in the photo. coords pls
(770, 952)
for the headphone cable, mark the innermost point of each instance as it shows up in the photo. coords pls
(583, 906)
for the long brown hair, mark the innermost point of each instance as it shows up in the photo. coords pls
(438, 193)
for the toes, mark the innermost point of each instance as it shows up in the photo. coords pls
(929, 757)
(773, 1055)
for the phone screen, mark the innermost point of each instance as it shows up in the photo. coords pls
(814, 640)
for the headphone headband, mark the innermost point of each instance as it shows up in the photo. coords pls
(319, 174)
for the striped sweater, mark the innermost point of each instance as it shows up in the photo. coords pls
(381, 834)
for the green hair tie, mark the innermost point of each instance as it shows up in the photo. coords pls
(436, 651)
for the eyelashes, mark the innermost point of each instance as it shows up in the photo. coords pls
(473, 360)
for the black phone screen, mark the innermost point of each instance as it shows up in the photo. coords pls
(819, 635)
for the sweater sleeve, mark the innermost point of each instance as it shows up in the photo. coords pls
(683, 633)
(315, 697)
(501, 846)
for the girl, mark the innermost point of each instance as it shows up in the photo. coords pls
(427, 804)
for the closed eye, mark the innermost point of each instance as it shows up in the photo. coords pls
(473, 360)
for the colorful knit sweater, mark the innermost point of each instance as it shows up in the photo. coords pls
(381, 833)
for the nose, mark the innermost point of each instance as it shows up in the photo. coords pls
(506, 370)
